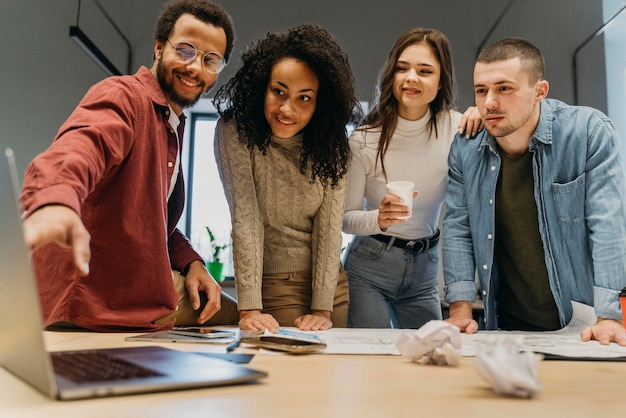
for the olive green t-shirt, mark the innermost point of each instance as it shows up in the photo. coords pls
(525, 301)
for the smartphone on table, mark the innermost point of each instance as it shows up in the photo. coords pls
(202, 332)
(282, 343)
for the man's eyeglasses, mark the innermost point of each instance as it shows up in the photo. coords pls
(212, 62)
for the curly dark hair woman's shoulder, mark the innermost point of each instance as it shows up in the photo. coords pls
(325, 145)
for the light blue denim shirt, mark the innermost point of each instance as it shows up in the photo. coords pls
(579, 188)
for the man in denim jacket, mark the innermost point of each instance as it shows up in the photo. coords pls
(536, 205)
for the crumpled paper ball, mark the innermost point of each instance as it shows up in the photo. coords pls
(436, 342)
(508, 370)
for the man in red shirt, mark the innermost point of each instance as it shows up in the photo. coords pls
(102, 203)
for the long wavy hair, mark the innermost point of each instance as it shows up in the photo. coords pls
(384, 113)
(325, 138)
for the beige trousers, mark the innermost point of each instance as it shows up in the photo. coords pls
(286, 296)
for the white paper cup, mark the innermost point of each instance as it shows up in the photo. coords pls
(404, 190)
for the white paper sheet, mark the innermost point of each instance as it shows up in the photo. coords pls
(564, 342)
(360, 341)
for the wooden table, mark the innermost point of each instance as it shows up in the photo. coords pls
(322, 386)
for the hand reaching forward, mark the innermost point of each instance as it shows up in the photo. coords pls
(60, 224)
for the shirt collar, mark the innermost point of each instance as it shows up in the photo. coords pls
(150, 83)
(543, 132)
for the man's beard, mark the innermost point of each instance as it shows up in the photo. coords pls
(168, 89)
(500, 131)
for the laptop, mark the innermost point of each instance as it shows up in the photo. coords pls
(128, 370)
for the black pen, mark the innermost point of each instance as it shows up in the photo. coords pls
(233, 346)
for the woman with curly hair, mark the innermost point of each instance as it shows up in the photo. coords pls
(282, 152)
(393, 260)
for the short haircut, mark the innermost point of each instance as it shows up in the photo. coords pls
(205, 10)
(529, 55)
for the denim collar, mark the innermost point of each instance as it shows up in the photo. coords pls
(543, 133)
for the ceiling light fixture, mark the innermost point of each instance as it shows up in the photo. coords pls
(92, 50)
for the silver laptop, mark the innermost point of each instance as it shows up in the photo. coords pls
(125, 370)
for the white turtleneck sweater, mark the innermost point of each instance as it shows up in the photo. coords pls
(414, 154)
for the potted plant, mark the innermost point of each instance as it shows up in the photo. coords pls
(215, 265)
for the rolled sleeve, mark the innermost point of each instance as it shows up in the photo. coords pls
(463, 290)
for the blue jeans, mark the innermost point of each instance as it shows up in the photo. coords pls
(391, 287)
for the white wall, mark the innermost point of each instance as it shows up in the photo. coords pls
(44, 73)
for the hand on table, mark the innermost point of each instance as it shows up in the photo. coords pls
(461, 316)
(316, 321)
(605, 331)
(254, 320)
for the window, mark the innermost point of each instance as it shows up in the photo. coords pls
(206, 204)
(615, 55)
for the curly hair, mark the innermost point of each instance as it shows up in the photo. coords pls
(384, 113)
(206, 11)
(325, 139)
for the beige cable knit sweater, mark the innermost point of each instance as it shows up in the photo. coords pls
(281, 221)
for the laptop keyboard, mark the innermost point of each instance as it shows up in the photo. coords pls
(96, 366)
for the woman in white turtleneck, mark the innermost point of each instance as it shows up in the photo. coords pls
(392, 262)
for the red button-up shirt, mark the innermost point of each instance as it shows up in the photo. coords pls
(112, 162)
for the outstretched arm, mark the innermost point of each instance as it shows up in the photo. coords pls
(59, 224)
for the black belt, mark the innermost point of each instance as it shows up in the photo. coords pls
(415, 245)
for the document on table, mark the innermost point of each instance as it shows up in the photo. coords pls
(360, 340)
(565, 342)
